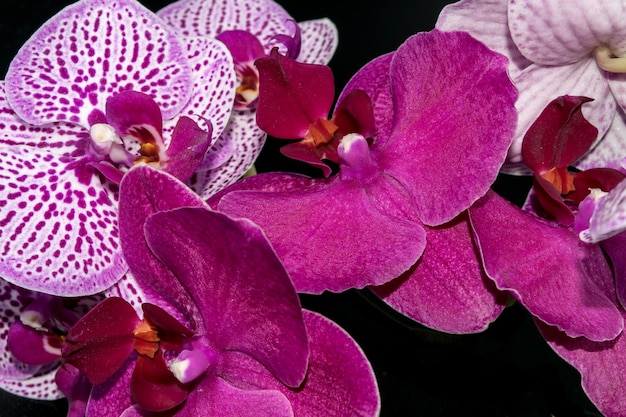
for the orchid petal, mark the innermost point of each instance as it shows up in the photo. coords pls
(364, 234)
(319, 41)
(292, 95)
(128, 289)
(447, 289)
(101, 342)
(242, 141)
(59, 232)
(92, 50)
(609, 217)
(40, 386)
(487, 21)
(144, 191)
(75, 387)
(187, 148)
(123, 115)
(443, 149)
(243, 46)
(373, 78)
(538, 85)
(214, 397)
(547, 263)
(549, 34)
(339, 382)
(29, 345)
(615, 248)
(153, 386)
(213, 79)
(112, 397)
(609, 152)
(227, 292)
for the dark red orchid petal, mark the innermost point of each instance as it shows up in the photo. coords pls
(130, 109)
(552, 202)
(242, 45)
(604, 179)
(559, 136)
(170, 330)
(355, 114)
(31, 346)
(312, 155)
(99, 344)
(187, 148)
(292, 95)
(154, 387)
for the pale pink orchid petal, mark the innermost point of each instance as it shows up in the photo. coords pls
(607, 152)
(609, 216)
(319, 41)
(547, 33)
(90, 51)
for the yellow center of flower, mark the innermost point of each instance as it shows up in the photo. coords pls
(608, 61)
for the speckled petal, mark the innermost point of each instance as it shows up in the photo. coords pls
(213, 78)
(262, 18)
(319, 41)
(550, 34)
(41, 386)
(90, 51)
(539, 85)
(58, 232)
(231, 156)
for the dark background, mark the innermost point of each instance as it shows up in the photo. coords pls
(506, 371)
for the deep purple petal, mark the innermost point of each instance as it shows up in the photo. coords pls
(112, 397)
(548, 269)
(59, 224)
(340, 381)
(447, 289)
(103, 48)
(615, 247)
(243, 46)
(31, 346)
(100, 343)
(131, 109)
(454, 120)
(76, 389)
(144, 191)
(248, 306)
(355, 114)
(187, 148)
(332, 235)
(292, 95)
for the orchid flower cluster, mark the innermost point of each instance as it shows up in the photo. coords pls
(145, 271)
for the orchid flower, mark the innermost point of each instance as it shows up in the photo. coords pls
(558, 137)
(398, 193)
(569, 287)
(85, 99)
(250, 29)
(221, 330)
(31, 335)
(552, 52)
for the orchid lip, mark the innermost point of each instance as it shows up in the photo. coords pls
(608, 61)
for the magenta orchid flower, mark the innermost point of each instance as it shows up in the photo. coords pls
(559, 137)
(221, 330)
(569, 286)
(250, 29)
(85, 99)
(553, 52)
(399, 191)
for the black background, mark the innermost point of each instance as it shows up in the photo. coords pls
(506, 371)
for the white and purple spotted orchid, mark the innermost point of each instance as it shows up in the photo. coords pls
(574, 292)
(83, 101)
(443, 108)
(221, 329)
(250, 29)
(31, 335)
(578, 50)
